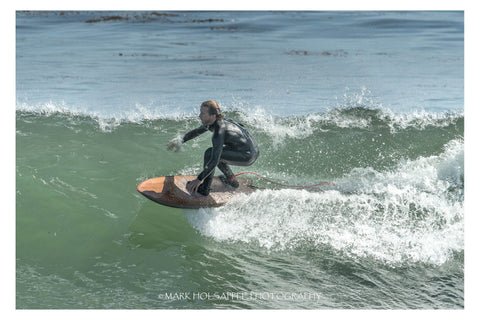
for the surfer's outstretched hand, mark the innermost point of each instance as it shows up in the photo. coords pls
(192, 186)
(175, 144)
(171, 145)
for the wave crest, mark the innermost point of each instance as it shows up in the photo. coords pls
(277, 127)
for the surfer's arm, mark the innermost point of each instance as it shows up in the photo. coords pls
(194, 133)
(176, 143)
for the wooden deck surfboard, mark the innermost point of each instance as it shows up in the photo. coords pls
(171, 191)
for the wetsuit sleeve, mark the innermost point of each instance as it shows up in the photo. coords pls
(217, 141)
(194, 133)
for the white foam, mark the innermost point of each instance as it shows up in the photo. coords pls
(107, 120)
(406, 215)
(47, 108)
(417, 119)
(276, 127)
(300, 127)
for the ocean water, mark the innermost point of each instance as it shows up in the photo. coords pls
(372, 101)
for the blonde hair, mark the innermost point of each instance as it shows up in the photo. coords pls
(213, 108)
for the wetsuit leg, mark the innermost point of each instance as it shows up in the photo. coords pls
(204, 188)
(225, 168)
(228, 157)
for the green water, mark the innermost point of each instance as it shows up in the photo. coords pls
(389, 234)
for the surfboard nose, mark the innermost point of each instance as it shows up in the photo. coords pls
(154, 184)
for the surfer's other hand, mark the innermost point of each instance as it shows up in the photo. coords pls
(192, 186)
(175, 144)
(170, 145)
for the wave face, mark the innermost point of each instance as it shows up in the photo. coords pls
(398, 192)
(397, 207)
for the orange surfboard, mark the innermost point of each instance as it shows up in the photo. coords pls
(171, 191)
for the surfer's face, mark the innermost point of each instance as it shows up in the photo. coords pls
(206, 117)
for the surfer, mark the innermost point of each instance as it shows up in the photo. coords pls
(232, 145)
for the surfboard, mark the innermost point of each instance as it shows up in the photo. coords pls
(171, 191)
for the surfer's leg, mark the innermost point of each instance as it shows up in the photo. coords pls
(235, 158)
(225, 168)
(204, 188)
(232, 157)
(228, 177)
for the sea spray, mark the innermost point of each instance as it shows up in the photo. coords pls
(410, 214)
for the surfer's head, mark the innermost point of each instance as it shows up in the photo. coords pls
(211, 112)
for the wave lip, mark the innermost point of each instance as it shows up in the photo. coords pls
(279, 127)
(363, 118)
(107, 121)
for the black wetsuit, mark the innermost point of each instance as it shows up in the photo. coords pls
(232, 144)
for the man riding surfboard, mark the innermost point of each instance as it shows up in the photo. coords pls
(232, 145)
